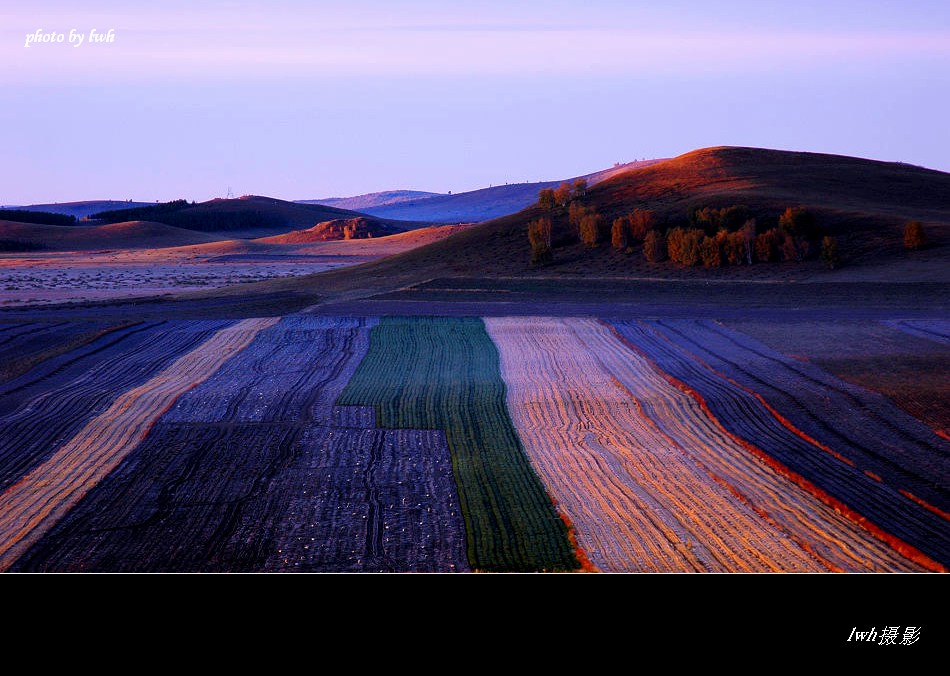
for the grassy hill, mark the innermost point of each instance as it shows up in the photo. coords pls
(373, 199)
(25, 237)
(479, 205)
(863, 202)
(245, 217)
(337, 229)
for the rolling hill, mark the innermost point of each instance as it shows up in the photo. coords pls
(469, 207)
(863, 202)
(372, 199)
(246, 217)
(349, 228)
(26, 237)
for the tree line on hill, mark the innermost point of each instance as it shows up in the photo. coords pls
(180, 214)
(38, 217)
(711, 236)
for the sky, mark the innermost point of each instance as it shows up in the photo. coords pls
(303, 99)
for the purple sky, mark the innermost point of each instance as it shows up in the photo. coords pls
(302, 100)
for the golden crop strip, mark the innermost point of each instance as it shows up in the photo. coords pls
(650, 483)
(32, 506)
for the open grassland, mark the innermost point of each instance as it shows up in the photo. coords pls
(650, 481)
(437, 373)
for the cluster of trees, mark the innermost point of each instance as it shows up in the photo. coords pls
(585, 222)
(715, 237)
(564, 194)
(795, 239)
(627, 230)
(39, 217)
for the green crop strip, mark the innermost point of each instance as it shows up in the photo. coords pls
(443, 373)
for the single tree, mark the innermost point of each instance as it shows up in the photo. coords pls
(590, 229)
(829, 252)
(766, 246)
(789, 248)
(733, 248)
(692, 248)
(562, 194)
(539, 235)
(654, 247)
(748, 239)
(618, 233)
(579, 188)
(674, 244)
(710, 252)
(575, 214)
(546, 199)
(914, 236)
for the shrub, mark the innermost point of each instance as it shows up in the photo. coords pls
(914, 236)
(654, 247)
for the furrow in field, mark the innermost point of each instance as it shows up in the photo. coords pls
(442, 374)
(35, 343)
(637, 496)
(276, 379)
(45, 407)
(763, 403)
(46, 493)
(936, 330)
(289, 488)
(839, 542)
(380, 501)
